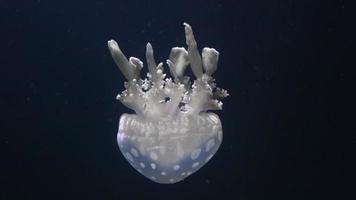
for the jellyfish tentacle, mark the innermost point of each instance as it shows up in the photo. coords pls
(172, 69)
(126, 68)
(193, 53)
(137, 64)
(177, 63)
(151, 63)
(210, 58)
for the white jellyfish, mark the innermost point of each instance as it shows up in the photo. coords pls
(171, 135)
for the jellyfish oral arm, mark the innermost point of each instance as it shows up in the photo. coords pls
(146, 97)
(171, 122)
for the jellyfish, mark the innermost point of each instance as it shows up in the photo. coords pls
(172, 133)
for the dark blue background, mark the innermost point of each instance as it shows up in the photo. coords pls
(288, 124)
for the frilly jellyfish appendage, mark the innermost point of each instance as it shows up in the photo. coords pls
(171, 135)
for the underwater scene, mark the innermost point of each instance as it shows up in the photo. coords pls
(213, 99)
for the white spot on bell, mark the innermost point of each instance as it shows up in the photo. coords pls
(195, 154)
(134, 152)
(153, 156)
(196, 164)
(209, 144)
(142, 165)
(176, 167)
(153, 166)
(129, 157)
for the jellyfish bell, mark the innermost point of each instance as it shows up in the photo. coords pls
(172, 134)
(175, 148)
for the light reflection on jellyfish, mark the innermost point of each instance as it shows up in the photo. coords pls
(172, 134)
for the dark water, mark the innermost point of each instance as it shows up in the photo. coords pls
(289, 123)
